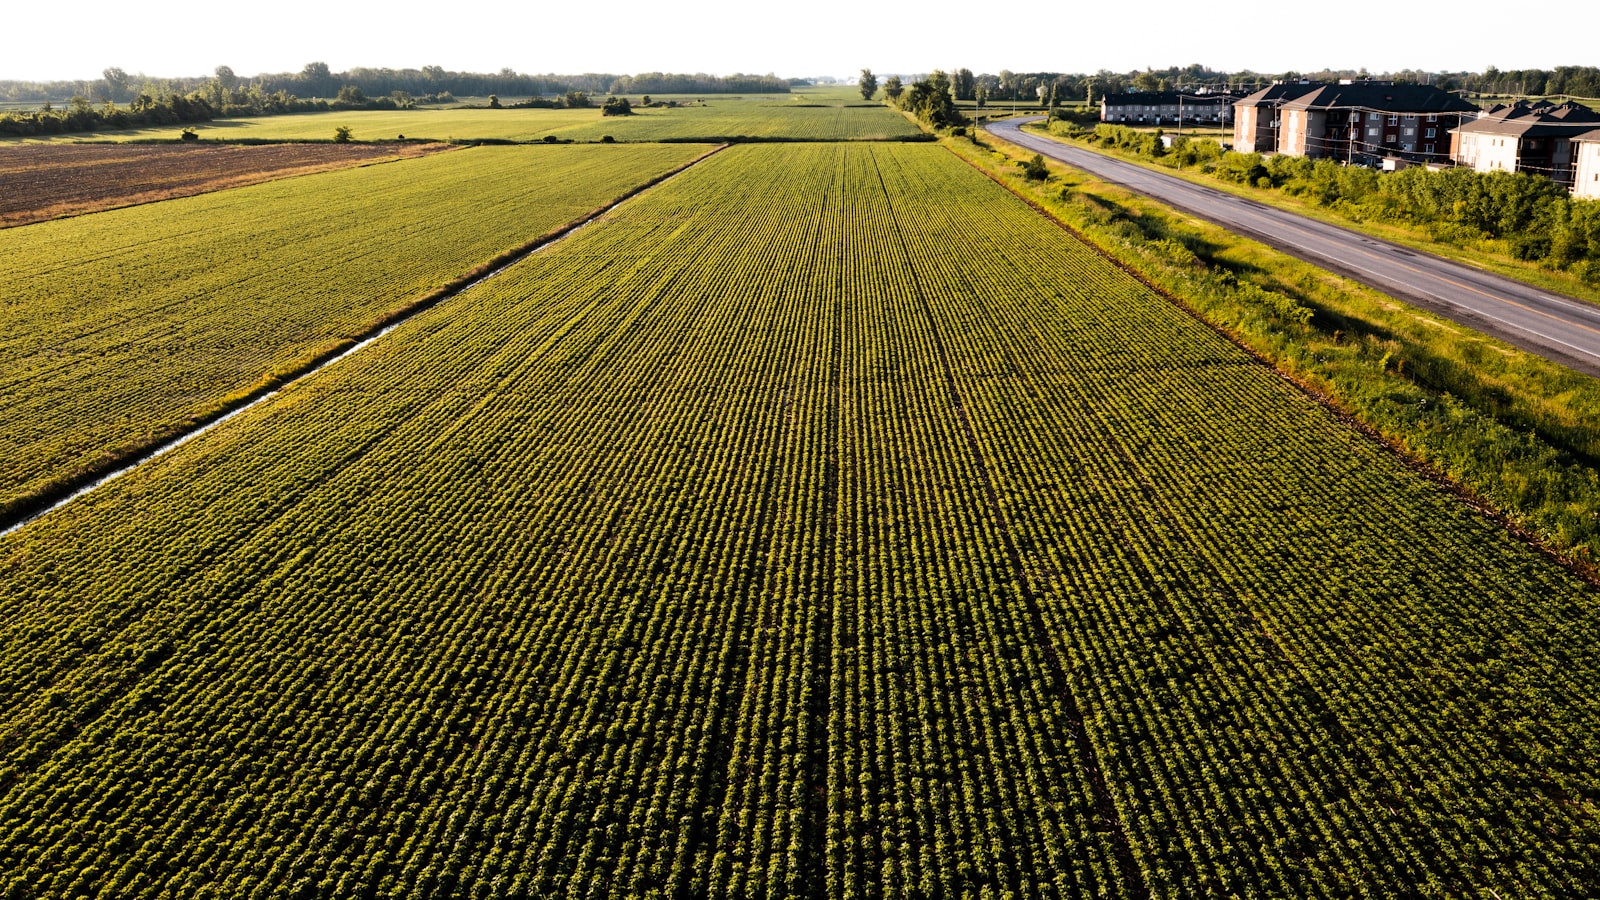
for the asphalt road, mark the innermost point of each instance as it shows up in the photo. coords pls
(1554, 326)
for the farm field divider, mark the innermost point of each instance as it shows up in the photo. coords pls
(129, 328)
(826, 523)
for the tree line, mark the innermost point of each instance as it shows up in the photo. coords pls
(203, 105)
(118, 100)
(81, 115)
(316, 79)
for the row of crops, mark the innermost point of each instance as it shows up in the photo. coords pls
(121, 328)
(720, 118)
(823, 523)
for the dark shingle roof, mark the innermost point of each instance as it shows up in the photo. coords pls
(1166, 98)
(1280, 93)
(1383, 97)
(1537, 119)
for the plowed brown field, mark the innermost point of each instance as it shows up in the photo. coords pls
(49, 181)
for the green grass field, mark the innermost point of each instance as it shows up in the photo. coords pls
(123, 327)
(825, 522)
(797, 117)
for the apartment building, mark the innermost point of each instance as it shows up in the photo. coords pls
(1368, 121)
(1525, 136)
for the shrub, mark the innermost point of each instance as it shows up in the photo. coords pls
(342, 134)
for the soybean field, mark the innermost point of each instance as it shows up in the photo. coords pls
(821, 522)
(122, 328)
(713, 119)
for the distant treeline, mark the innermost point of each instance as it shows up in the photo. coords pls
(317, 80)
(81, 115)
(201, 105)
(662, 83)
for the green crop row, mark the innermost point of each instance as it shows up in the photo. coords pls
(825, 522)
(121, 328)
(719, 119)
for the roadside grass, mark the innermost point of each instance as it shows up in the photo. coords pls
(1512, 430)
(1488, 254)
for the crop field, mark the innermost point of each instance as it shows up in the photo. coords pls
(823, 522)
(39, 182)
(121, 327)
(719, 119)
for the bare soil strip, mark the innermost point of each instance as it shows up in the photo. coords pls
(40, 182)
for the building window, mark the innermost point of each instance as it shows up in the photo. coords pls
(1429, 132)
(1394, 120)
(1427, 148)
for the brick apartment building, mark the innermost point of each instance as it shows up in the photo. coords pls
(1368, 121)
(1256, 117)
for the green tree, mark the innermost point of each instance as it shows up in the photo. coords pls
(116, 84)
(931, 102)
(868, 84)
(964, 84)
(893, 88)
(316, 79)
(342, 134)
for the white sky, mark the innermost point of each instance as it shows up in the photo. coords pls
(191, 37)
